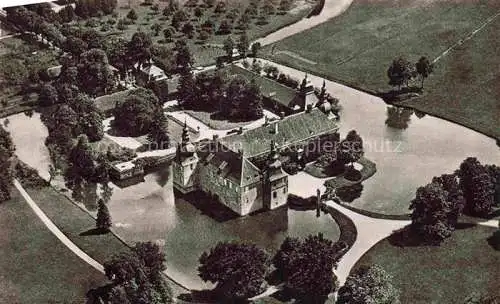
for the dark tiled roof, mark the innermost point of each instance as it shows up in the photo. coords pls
(269, 88)
(292, 129)
(228, 164)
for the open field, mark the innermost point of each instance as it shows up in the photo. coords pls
(463, 264)
(357, 47)
(35, 267)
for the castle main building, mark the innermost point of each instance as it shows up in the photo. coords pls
(244, 170)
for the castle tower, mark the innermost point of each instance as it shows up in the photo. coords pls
(184, 165)
(306, 94)
(276, 181)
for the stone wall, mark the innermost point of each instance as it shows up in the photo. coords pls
(212, 183)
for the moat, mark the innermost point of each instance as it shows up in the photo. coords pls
(408, 150)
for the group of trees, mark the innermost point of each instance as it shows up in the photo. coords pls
(239, 270)
(137, 277)
(473, 189)
(339, 154)
(94, 8)
(401, 71)
(6, 154)
(141, 113)
(304, 266)
(236, 98)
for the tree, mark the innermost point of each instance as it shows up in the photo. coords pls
(431, 213)
(351, 148)
(132, 15)
(75, 46)
(179, 17)
(103, 220)
(239, 270)
(400, 72)
(255, 48)
(94, 74)
(478, 187)
(253, 107)
(424, 68)
(48, 96)
(188, 29)
(67, 14)
(134, 117)
(450, 184)
(225, 28)
(368, 285)
(478, 298)
(90, 118)
(243, 45)
(139, 48)
(7, 150)
(306, 267)
(137, 276)
(228, 48)
(53, 172)
(185, 92)
(81, 160)
(183, 57)
(158, 133)
(156, 28)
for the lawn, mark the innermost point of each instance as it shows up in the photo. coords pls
(217, 124)
(78, 226)
(463, 264)
(35, 266)
(357, 47)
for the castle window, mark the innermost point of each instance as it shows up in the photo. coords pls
(275, 194)
(284, 190)
(191, 166)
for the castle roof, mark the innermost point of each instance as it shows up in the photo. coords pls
(269, 88)
(291, 130)
(228, 164)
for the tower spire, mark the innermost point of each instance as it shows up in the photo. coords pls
(185, 133)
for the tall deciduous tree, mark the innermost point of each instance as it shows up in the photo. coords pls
(137, 276)
(94, 74)
(307, 267)
(183, 57)
(134, 117)
(228, 48)
(368, 285)
(424, 68)
(399, 72)
(351, 148)
(431, 214)
(239, 270)
(7, 149)
(243, 44)
(478, 187)
(48, 96)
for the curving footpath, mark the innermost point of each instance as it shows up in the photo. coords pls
(58, 233)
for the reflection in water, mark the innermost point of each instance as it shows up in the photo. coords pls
(350, 193)
(398, 118)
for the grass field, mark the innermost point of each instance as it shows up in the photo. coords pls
(357, 47)
(463, 264)
(35, 266)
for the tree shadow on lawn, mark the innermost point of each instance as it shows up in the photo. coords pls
(407, 237)
(494, 240)
(94, 231)
(221, 117)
